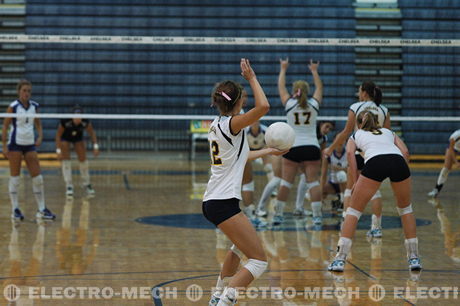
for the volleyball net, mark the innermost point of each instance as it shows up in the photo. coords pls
(152, 93)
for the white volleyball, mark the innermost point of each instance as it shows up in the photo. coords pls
(341, 176)
(280, 135)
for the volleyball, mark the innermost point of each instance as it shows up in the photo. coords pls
(280, 135)
(341, 176)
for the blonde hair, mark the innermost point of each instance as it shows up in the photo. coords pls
(368, 121)
(300, 92)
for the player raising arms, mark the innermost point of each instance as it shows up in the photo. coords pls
(229, 154)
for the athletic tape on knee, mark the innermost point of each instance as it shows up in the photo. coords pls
(286, 184)
(377, 195)
(256, 267)
(353, 212)
(406, 210)
(237, 251)
(312, 184)
(249, 186)
(347, 193)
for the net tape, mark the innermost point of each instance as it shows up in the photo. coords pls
(261, 41)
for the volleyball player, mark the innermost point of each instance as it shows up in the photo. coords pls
(70, 133)
(22, 144)
(385, 156)
(450, 159)
(322, 129)
(370, 99)
(305, 154)
(229, 153)
(337, 165)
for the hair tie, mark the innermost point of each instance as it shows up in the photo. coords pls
(225, 96)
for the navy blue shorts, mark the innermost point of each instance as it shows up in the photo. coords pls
(303, 153)
(217, 211)
(12, 147)
(380, 167)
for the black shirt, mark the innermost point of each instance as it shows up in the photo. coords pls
(72, 132)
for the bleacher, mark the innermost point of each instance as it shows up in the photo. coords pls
(431, 75)
(177, 79)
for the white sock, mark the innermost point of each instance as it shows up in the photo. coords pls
(344, 246)
(279, 207)
(39, 192)
(301, 191)
(227, 297)
(272, 185)
(316, 208)
(411, 247)
(66, 166)
(442, 178)
(84, 172)
(220, 285)
(13, 188)
(376, 222)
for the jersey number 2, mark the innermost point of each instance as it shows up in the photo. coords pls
(215, 153)
(297, 118)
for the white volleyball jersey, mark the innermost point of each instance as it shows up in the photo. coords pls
(256, 142)
(375, 143)
(337, 164)
(303, 121)
(379, 110)
(229, 154)
(456, 137)
(22, 131)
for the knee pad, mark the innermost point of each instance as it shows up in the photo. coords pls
(377, 195)
(14, 183)
(286, 184)
(249, 186)
(406, 210)
(312, 184)
(37, 181)
(347, 193)
(268, 168)
(256, 267)
(237, 251)
(353, 212)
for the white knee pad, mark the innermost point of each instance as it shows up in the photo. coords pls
(406, 210)
(377, 195)
(354, 212)
(249, 186)
(268, 168)
(237, 251)
(312, 184)
(347, 193)
(256, 267)
(37, 182)
(286, 184)
(13, 184)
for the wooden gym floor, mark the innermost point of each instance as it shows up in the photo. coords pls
(144, 229)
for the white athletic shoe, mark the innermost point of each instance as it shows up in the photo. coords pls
(302, 212)
(69, 191)
(337, 265)
(375, 233)
(261, 213)
(433, 193)
(214, 300)
(89, 190)
(415, 264)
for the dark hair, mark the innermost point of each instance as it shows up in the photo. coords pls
(368, 121)
(374, 92)
(21, 83)
(300, 91)
(327, 121)
(77, 109)
(225, 95)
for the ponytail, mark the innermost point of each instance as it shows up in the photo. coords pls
(301, 90)
(373, 91)
(368, 121)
